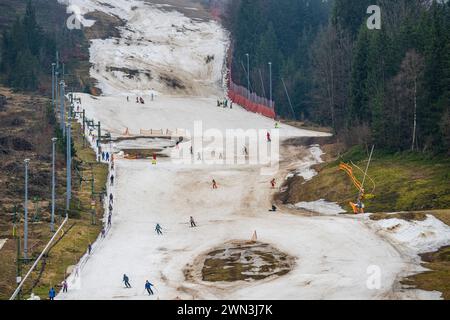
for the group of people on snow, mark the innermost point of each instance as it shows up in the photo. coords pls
(105, 156)
(148, 286)
(224, 103)
(141, 100)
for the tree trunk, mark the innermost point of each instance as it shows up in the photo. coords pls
(415, 115)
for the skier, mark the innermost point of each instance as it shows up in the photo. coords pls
(107, 156)
(112, 179)
(128, 99)
(272, 183)
(193, 224)
(158, 229)
(277, 125)
(64, 286)
(103, 232)
(245, 151)
(214, 184)
(148, 287)
(268, 137)
(52, 294)
(111, 198)
(103, 156)
(109, 220)
(89, 248)
(192, 150)
(110, 207)
(126, 281)
(231, 104)
(137, 100)
(274, 208)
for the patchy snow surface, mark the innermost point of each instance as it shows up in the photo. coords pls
(419, 236)
(169, 112)
(332, 254)
(321, 206)
(158, 49)
(304, 168)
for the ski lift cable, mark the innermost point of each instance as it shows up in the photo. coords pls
(289, 99)
(262, 84)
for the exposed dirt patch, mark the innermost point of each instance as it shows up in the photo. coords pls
(142, 153)
(193, 9)
(131, 73)
(106, 26)
(408, 216)
(241, 261)
(172, 82)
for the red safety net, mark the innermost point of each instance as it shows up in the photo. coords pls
(248, 100)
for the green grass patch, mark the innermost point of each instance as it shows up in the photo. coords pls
(438, 278)
(79, 231)
(403, 182)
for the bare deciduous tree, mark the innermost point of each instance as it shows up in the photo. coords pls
(331, 56)
(407, 82)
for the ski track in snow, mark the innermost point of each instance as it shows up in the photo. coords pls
(332, 253)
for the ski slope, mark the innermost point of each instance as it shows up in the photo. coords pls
(333, 254)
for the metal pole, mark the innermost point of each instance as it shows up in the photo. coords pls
(248, 75)
(25, 226)
(53, 85)
(57, 74)
(19, 266)
(52, 225)
(289, 98)
(367, 168)
(84, 129)
(68, 168)
(69, 133)
(98, 140)
(270, 75)
(56, 87)
(61, 108)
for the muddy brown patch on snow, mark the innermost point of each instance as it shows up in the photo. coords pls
(240, 261)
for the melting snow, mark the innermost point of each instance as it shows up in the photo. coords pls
(304, 169)
(420, 236)
(333, 253)
(321, 206)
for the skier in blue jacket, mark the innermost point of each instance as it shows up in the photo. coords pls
(52, 294)
(148, 287)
